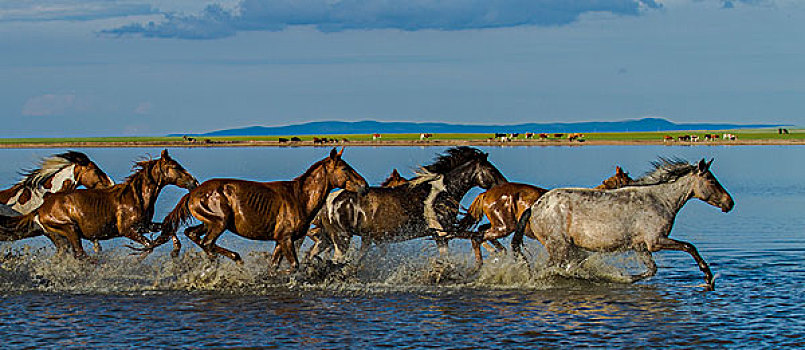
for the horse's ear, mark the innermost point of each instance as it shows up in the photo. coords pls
(333, 154)
(342, 151)
(710, 162)
(618, 170)
(703, 165)
(165, 154)
(395, 173)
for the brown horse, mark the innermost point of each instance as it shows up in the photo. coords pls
(504, 203)
(427, 206)
(322, 242)
(280, 211)
(58, 173)
(118, 211)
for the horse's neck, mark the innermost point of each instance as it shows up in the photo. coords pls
(145, 191)
(63, 180)
(457, 183)
(313, 190)
(674, 194)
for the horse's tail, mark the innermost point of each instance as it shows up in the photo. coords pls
(474, 213)
(517, 239)
(178, 216)
(14, 228)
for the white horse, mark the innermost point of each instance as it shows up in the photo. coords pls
(568, 221)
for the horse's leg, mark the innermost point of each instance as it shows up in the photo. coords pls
(672, 244)
(71, 233)
(288, 250)
(365, 244)
(320, 243)
(208, 243)
(496, 246)
(651, 266)
(340, 243)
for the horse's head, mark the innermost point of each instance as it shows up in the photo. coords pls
(620, 179)
(394, 180)
(708, 189)
(341, 175)
(485, 174)
(172, 173)
(90, 175)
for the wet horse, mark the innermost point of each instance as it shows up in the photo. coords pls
(322, 242)
(569, 221)
(62, 172)
(427, 206)
(58, 173)
(280, 211)
(118, 211)
(504, 203)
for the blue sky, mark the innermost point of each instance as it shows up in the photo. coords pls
(153, 67)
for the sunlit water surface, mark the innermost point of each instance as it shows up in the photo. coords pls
(757, 252)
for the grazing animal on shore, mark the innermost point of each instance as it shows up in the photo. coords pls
(570, 221)
(279, 211)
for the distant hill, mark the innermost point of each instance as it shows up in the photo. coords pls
(369, 127)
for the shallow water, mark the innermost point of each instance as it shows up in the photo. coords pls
(757, 252)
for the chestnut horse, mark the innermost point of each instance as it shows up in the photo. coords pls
(118, 211)
(58, 173)
(572, 221)
(280, 211)
(504, 203)
(427, 206)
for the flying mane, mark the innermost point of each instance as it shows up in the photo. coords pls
(50, 166)
(665, 170)
(446, 162)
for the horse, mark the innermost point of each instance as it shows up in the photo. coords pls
(503, 205)
(427, 206)
(639, 217)
(58, 173)
(104, 213)
(280, 211)
(321, 242)
(62, 172)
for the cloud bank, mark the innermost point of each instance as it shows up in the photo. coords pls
(70, 10)
(216, 21)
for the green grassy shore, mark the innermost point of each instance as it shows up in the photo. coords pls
(744, 136)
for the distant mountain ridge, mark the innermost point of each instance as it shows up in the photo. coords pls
(369, 127)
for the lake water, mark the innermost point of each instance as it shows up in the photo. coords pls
(757, 252)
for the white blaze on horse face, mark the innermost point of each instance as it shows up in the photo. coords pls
(436, 187)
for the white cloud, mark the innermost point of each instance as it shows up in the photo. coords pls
(71, 10)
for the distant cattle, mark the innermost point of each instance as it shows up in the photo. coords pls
(424, 136)
(283, 140)
(529, 135)
(376, 137)
(543, 136)
(667, 138)
(729, 137)
(295, 139)
(499, 135)
(557, 135)
(574, 136)
(782, 131)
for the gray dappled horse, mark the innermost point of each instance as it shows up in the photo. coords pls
(639, 218)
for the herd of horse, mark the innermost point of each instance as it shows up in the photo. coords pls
(331, 203)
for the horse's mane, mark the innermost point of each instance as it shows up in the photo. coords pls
(140, 169)
(309, 170)
(446, 162)
(665, 170)
(453, 158)
(50, 166)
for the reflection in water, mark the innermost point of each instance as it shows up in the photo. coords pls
(756, 252)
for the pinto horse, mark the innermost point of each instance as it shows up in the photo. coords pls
(118, 211)
(427, 206)
(58, 173)
(280, 211)
(569, 221)
(322, 242)
(503, 205)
